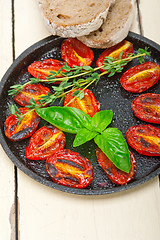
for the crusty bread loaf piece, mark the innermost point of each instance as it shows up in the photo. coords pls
(73, 18)
(115, 28)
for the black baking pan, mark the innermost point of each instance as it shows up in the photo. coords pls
(108, 92)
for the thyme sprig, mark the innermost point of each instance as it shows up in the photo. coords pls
(70, 73)
(110, 65)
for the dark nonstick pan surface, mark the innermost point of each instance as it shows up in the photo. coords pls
(108, 92)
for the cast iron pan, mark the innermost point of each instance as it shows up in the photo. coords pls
(108, 92)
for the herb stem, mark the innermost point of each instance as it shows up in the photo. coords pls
(70, 77)
(81, 91)
(64, 93)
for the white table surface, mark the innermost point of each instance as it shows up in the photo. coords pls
(45, 213)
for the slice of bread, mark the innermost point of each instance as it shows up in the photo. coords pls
(73, 18)
(115, 28)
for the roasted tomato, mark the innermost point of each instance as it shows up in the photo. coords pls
(145, 139)
(147, 107)
(29, 92)
(70, 169)
(27, 126)
(88, 103)
(115, 175)
(141, 77)
(44, 143)
(125, 46)
(76, 53)
(42, 69)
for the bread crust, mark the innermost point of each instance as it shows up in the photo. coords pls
(110, 39)
(75, 30)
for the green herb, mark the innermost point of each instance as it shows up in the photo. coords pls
(67, 119)
(15, 111)
(78, 94)
(84, 135)
(143, 51)
(101, 120)
(15, 89)
(112, 143)
(110, 65)
(34, 105)
(109, 140)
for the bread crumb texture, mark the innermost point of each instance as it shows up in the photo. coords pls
(71, 18)
(115, 28)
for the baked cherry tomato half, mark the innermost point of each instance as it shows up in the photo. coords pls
(145, 139)
(42, 69)
(26, 127)
(29, 92)
(44, 143)
(147, 107)
(74, 52)
(141, 77)
(88, 103)
(116, 175)
(69, 169)
(125, 46)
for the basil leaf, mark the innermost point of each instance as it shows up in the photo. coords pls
(101, 120)
(112, 143)
(83, 135)
(67, 119)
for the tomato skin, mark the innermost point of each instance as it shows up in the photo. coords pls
(45, 142)
(147, 107)
(145, 139)
(114, 174)
(29, 92)
(141, 77)
(88, 103)
(74, 52)
(25, 129)
(43, 68)
(70, 169)
(125, 46)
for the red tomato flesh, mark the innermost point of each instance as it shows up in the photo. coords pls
(74, 52)
(141, 77)
(145, 139)
(29, 92)
(27, 126)
(42, 69)
(45, 142)
(125, 46)
(88, 103)
(116, 175)
(70, 169)
(147, 107)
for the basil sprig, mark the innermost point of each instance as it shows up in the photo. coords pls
(73, 120)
